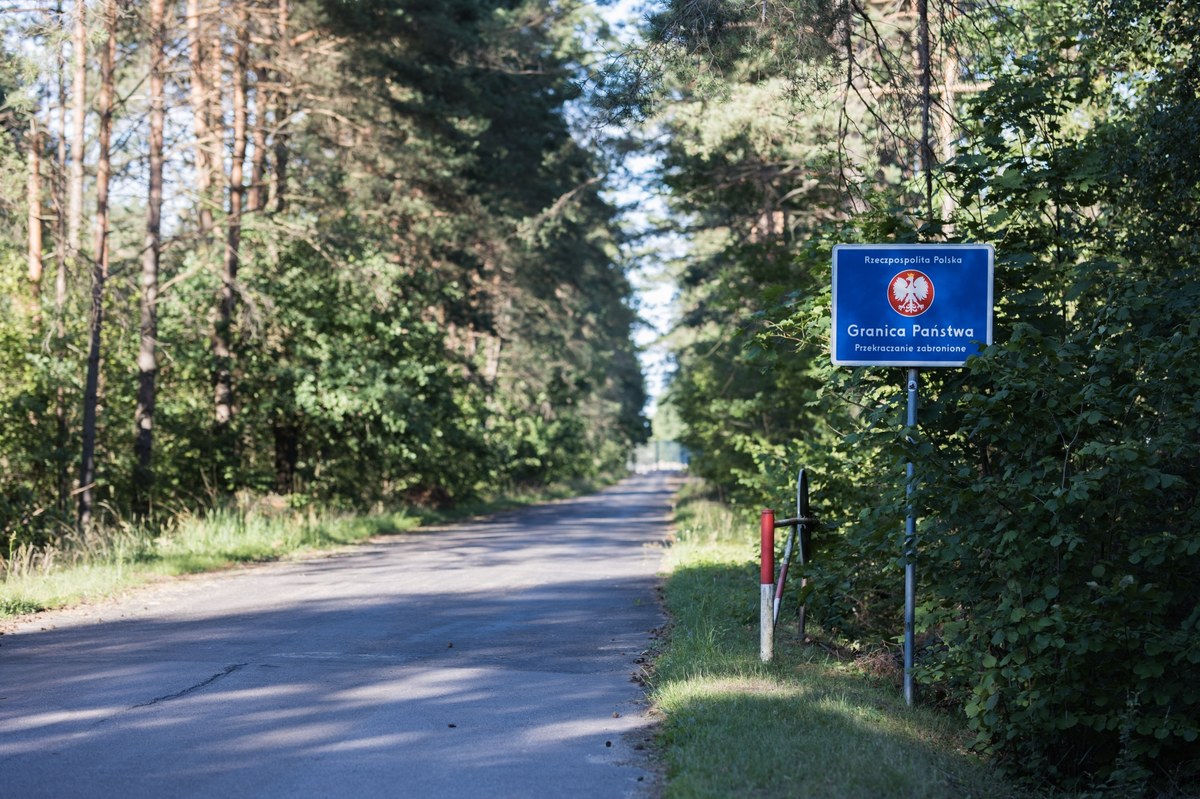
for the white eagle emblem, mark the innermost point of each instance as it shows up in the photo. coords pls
(911, 293)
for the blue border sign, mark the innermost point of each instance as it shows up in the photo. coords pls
(911, 304)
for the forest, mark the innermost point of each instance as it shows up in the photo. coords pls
(354, 253)
(1057, 472)
(339, 252)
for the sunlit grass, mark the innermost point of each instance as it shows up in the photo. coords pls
(228, 536)
(120, 555)
(27, 593)
(112, 560)
(808, 724)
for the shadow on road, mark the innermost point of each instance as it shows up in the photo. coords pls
(491, 658)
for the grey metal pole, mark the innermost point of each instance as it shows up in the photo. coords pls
(910, 549)
(802, 513)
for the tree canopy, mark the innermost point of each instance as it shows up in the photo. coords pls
(384, 265)
(1057, 472)
(363, 252)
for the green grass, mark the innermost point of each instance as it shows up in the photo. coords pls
(110, 561)
(811, 723)
(121, 556)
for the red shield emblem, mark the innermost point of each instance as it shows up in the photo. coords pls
(910, 293)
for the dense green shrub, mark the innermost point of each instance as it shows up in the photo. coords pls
(1058, 473)
(1059, 557)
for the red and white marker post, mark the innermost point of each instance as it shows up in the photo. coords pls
(766, 606)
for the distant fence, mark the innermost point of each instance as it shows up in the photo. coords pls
(654, 456)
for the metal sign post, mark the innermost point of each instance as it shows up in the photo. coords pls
(804, 525)
(770, 586)
(799, 538)
(910, 549)
(910, 305)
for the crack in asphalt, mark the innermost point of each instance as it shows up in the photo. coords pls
(204, 684)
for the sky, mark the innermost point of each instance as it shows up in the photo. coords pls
(653, 283)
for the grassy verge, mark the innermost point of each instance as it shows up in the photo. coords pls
(121, 556)
(810, 723)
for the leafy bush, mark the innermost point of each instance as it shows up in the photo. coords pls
(1058, 473)
(1061, 577)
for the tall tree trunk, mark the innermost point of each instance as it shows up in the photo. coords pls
(926, 68)
(223, 330)
(256, 195)
(34, 194)
(946, 122)
(62, 460)
(201, 114)
(87, 469)
(78, 120)
(214, 104)
(147, 360)
(282, 77)
(285, 430)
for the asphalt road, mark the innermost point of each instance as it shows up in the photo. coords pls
(488, 659)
